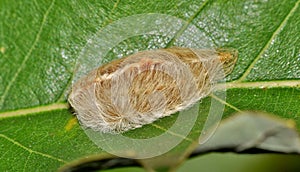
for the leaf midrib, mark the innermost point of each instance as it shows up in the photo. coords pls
(228, 85)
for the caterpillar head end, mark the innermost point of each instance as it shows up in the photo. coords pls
(228, 58)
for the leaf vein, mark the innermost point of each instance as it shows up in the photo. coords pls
(260, 84)
(30, 150)
(225, 103)
(70, 80)
(8, 87)
(229, 85)
(277, 31)
(21, 112)
(26, 162)
(184, 27)
(172, 133)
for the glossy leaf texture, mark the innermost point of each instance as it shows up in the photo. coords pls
(40, 42)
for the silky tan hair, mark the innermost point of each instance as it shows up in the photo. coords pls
(137, 90)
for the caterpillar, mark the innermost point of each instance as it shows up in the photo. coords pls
(132, 91)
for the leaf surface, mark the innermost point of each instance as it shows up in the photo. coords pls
(40, 42)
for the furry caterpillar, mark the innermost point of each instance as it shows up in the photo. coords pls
(137, 90)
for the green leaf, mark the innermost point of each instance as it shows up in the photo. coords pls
(258, 131)
(40, 42)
